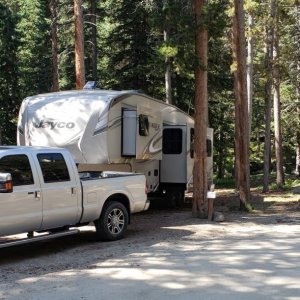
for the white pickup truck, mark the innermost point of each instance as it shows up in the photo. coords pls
(41, 191)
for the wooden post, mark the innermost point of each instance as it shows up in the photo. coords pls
(210, 209)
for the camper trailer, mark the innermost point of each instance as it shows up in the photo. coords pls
(116, 130)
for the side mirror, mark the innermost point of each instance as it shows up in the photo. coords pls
(6, 185)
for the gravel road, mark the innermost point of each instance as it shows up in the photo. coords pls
(166, 254)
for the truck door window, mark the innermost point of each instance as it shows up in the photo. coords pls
(53, 167)
(19, 168)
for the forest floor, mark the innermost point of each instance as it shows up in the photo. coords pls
(167, 254)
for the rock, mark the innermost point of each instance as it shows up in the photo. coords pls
(219, 217)
(296, 190)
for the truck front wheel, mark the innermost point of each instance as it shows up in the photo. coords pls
(113, 222)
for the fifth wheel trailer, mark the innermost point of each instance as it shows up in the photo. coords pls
(119, 131)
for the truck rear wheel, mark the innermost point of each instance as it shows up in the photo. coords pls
(113, 222)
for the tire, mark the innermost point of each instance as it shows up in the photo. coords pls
(113, 222)
(175, 197)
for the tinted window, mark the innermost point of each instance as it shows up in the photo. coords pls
(192, 141)
(172, 141)
(143, 125)
(209, 148)
(19, 168)
(53, 167)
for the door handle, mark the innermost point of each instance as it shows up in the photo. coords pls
(73, 190)
(37, 194)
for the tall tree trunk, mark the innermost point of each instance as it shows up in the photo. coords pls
(200, 208)
(250, 55)
(93, 18)
(241, 106)
(297, 36)
(168, 72)
(258, 143)
(79, 45)
(297, 170)
(268, 96)
(54, 47)
(221, 158)
(277, 108)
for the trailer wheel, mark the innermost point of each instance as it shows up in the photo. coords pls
(175, 197)
(112, 224)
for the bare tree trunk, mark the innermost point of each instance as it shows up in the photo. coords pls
(258, 141)
(221, 159)
(93, 18)
(54, 47)
(297, 36)
(168, 73)
(297, 170)
(79, 45)
(277, 108)
(268, 96)
(241, 105)
(250, 55)
(200, 205)
(168, 81)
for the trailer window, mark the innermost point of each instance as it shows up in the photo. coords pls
(208, 148)
(192, 142)
(53, 167)
(19, 168)
(172, 141)
(143, 125)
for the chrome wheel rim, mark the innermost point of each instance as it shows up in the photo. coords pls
(115, 221)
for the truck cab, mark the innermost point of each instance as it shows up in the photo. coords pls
(45, 194)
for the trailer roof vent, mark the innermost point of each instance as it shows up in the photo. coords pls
(90, 85)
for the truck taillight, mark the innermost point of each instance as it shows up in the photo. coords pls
(8, 185)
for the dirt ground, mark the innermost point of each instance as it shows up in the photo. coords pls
(167, 254)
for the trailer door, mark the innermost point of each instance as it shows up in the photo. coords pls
(173, 164)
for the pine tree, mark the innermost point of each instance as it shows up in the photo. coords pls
(9, 92)
(79, 45)
(130, 60)
(54, 45)
(277, 104)
(268, 95)
(34, 52)
(241, 107)
(91, 40)
(200, 205)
